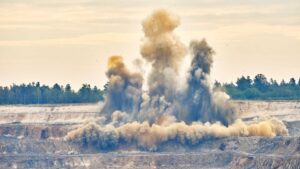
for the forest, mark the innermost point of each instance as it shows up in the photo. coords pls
(260, 88)
(35, 93)
(245, 88)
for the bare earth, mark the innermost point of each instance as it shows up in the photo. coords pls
(32, 137)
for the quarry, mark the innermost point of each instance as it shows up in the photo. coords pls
(33, 137)
(168, 116)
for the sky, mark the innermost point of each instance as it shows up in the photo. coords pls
(69, 41)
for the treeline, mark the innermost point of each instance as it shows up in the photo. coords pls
(260, 88)
(35, 93)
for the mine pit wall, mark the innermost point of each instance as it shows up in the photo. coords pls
(289, 110)
(36, 131)
(47, 117)
(54, 121)
(252, 152)
(199, 160)
(16, 147)
(84, 112)
(32, 137)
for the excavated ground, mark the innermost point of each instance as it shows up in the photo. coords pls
(32, 137)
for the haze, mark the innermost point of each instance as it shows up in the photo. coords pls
(70, 41)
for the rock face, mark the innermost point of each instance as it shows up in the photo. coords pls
(32, 137)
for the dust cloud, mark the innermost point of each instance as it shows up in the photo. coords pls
(166, 111)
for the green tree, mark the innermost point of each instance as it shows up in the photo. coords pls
(261, 82)
(292, 82)
(273, 83)
(38, 92)
(244, 83)
(282, 83)
(69, 95)
(252, 93)
(56, 93)
(85, 92)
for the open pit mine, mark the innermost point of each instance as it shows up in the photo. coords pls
(168, 116)
(34, 137)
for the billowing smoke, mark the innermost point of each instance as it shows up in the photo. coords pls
(166, 111)
(201, 102)
(124, 88)
(149, 137)
(164, 51)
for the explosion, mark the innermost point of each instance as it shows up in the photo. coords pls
(166, 112)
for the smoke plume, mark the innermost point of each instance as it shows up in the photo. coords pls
(124, 88)
(166, 111)
(164, 51)
(202, 103)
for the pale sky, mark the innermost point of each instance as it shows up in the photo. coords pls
(69, 41)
